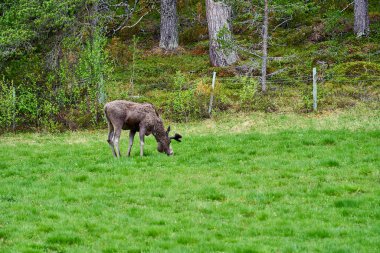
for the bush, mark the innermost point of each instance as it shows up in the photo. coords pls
(265, 103)
(182, 102)
(27, 104)
(8, 108)
(247, 93)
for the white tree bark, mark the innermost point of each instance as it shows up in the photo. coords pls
(169, 25)
(361, 27)
(218, 17)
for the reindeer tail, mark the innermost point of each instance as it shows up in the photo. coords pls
(106, 114)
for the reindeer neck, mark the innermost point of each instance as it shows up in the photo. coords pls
(159, 132)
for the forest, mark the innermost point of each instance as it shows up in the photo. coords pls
(61, 61)
(262, 133)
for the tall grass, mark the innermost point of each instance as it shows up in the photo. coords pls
(256, 183)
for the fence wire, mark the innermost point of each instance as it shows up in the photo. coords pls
(273, 83)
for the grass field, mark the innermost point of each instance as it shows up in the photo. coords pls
(253, 183)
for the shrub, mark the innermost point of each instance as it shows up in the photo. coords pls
(8, 108)
(265, 103)
(247, 93)
(182, 104)
(27, 103)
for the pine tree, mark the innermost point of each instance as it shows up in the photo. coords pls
(218, 18)
(361, 27)
(169, 25)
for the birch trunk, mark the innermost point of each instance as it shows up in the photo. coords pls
(218, 17)
(169, 25)
(361, 27)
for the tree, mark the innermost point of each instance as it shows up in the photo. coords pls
(119, 14)
(361, 27)
(265, 49)
(219, 20)
(169, 25)
(26, 23)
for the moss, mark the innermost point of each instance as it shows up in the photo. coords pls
(357, 69)
(296, 36)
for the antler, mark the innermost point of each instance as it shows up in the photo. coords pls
(176, 137)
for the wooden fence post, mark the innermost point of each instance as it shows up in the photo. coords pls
(212, 93)
(315, 89)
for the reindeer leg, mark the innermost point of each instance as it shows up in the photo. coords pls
(142, 134)
(110, 138)
(116, 139)
(131, 137)
(111, 143)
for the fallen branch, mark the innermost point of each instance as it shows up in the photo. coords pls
(283, 22)
(281, 58)
(277, 72)
(248, 51)
(347, 6)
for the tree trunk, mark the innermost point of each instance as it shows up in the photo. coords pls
(218, 17)
(169, 25)
(361, 27)
(265, 50)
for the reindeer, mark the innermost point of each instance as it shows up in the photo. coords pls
(135, 117)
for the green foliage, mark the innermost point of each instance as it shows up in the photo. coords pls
(307, 99)
(358, 70)
(49, 111)
(193, 34)
(265, 102)
(78, 85)
(91, 71)
(225, 40)
(180, 81)
(183, 106)
(247, 93)
(297, 36)
(135, 53)
(8, 108)
(58, 56)
(182, 102)
(26, 20)
(54, 69)
(27, 102)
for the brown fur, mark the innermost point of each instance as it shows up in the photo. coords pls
(136, 117)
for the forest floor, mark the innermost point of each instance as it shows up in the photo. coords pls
(250, 183)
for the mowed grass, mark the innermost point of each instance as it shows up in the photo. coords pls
(253, 183)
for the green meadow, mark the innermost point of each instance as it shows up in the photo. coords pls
(250, 183)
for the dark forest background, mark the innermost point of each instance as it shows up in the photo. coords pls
(60, 61)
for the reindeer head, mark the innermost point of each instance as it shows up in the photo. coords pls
(165, 140)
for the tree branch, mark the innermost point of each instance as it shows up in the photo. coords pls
(347, 6)
(138, 21)
(285, 21)
(248, 51)
(277, 72)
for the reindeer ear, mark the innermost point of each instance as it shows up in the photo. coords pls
(168, 130)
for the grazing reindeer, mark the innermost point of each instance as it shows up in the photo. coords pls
(142, 118)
